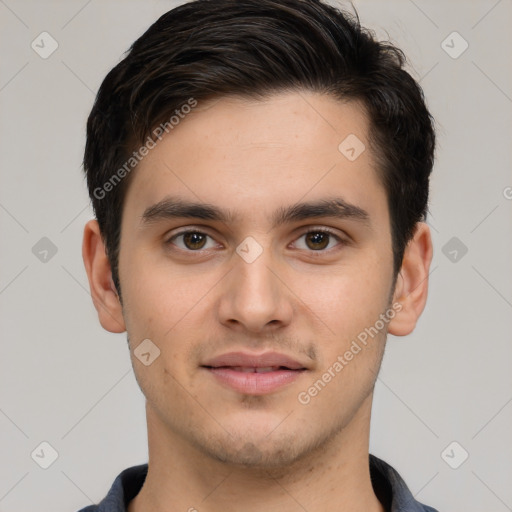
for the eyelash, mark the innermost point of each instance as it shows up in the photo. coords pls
(325, 231)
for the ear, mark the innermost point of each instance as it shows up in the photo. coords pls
(411, 287)
(103, 292)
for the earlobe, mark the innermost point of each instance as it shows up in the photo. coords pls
(411, 288)
(103, 292)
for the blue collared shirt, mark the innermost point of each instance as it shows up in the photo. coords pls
(388, 485)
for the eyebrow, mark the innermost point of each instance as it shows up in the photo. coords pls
(173, 207)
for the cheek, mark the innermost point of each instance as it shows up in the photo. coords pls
(349, 305)
(158, 297)
(348, 299)
(171, 309)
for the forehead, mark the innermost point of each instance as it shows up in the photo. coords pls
(253, 155)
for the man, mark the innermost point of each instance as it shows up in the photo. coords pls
(259, 171)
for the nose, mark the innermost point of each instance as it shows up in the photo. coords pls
(254, 296)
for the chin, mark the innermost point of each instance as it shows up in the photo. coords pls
(266, 450)
(254, 456)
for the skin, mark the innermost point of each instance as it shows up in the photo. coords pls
(212, 448)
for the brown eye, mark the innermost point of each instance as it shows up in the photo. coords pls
(193, 240)
(316, 240)
(319, 240)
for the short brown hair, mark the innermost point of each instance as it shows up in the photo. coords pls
(213, 48)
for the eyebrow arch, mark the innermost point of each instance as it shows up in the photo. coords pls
(171, 207)
(335, 207)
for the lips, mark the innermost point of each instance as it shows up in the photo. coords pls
(256, 369)
(248, 360)
(254, 374)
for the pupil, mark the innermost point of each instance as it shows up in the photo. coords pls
(194, 240)
(318, 240)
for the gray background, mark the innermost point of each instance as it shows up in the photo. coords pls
(65, 381)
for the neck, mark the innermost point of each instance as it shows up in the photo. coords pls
(333, 477)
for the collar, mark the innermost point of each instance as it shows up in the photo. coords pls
(388, 485)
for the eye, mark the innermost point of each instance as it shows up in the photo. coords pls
(192, 241)
(317, 240)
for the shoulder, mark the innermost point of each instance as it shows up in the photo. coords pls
(125, 487)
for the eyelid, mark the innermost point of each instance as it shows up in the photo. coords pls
(324, 229)
(342, 240)
(304, 230)
(184, 231)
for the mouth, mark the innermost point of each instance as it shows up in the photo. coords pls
(255, 369)
(253, 374)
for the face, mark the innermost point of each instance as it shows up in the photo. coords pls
(266, 257)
